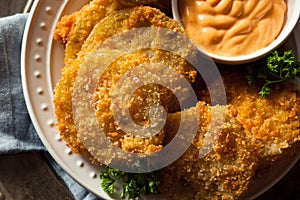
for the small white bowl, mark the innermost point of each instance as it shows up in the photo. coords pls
(292, 16)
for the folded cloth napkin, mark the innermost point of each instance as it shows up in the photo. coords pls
(17, 133)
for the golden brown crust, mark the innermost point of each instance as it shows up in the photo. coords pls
(255, 129)
(75, 28)
(141, 100)
(224, 173)
(115, 22)
(273, 121)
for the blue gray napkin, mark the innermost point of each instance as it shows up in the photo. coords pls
(17, 133)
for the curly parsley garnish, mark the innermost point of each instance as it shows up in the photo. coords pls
(133, 184)
(273, 69)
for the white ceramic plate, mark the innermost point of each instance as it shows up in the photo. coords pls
(42, 59)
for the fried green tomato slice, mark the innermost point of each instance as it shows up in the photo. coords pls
(142, 99)
(224, 172)
(114, 23)
(74, 29)
(273, 121)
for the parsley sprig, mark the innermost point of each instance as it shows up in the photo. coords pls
(133, 184)
(275, 68)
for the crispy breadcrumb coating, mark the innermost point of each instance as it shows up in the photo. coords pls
(110, 25)
(74, 29)
(274, 122)
(255, 129)
(142, 99)
(225, 172)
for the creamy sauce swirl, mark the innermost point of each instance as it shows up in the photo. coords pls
(233, 27)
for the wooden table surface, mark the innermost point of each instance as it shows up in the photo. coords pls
(28, 176)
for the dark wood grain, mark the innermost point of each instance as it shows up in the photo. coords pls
(10, 7)
(28, 176)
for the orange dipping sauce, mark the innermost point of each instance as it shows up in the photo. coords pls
(233, 27)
